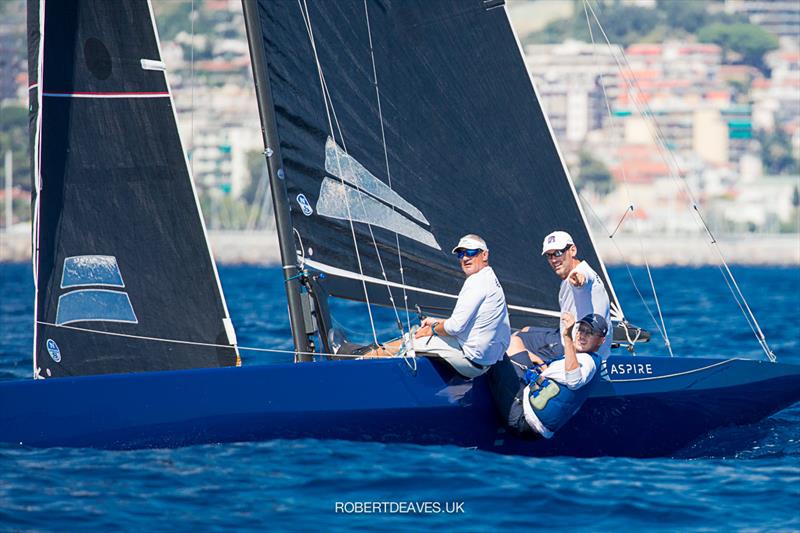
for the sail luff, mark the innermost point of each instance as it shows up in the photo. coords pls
(280, 202)
(609, 286)
(35, 22)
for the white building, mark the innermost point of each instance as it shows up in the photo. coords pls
(570, 78)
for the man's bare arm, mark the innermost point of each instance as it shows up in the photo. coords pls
(570, 356)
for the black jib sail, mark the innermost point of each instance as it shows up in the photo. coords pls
(121, 260)
(404, 125)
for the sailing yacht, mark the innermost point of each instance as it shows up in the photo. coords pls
(389, 128)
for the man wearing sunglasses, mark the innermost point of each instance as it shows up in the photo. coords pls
(582, 293)
(478, 332)
(542, 399)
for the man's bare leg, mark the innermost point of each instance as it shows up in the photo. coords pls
(390, 349)
(516, 345)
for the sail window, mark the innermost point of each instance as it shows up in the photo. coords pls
(340, 201)
(345, 167)
(83, 270)
(97, 58)
(95, 305)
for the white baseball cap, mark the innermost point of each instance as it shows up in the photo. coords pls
(470, 242)
(558, 240)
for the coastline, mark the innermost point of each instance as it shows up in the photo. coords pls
(261, 248)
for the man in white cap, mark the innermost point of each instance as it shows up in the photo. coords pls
(582, 293)
(477, 334)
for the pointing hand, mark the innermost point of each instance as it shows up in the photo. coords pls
(576, 278)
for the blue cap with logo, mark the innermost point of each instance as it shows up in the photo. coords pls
(597, 323)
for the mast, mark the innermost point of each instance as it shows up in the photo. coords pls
(280, 200)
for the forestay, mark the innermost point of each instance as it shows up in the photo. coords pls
(119, 245)
(467, 149)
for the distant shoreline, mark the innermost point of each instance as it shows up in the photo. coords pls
(261, 248)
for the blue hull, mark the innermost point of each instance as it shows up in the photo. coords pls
(639, 407)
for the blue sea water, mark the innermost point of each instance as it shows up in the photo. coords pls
(743, 478)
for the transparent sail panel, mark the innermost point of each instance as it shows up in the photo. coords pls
(94, 305)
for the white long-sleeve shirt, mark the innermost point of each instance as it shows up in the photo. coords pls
(589, 298)
(480, 318)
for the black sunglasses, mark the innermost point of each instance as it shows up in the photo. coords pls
(557, 253)
(469, 253)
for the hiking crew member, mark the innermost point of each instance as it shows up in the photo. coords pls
(543, 398)
(582, 293)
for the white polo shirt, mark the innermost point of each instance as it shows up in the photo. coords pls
(480, 319)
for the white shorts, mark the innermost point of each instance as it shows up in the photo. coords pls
(447, 348)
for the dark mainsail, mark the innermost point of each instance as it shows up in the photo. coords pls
(467, 149)
(119, 243)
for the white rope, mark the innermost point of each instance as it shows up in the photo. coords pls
(329, 98)
(325, 95)
(675, 173)
(283, 351)
(386, 159)
(663, 329)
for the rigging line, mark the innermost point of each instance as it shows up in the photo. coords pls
(307, 19)
(329, 99)
(663, 329)
(386, 158)
(196, 343)
(672, 162)
(625, 262)
(189, 343)
(727, 281)
(760, 335)
(191, 92)
(621, 220)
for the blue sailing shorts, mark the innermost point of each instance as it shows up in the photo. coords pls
(544, 342)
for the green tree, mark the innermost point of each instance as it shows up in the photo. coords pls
(688, 16)
(749, 41)
(624, 24)
(593, 173)
(776, 153)
(14, 137)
